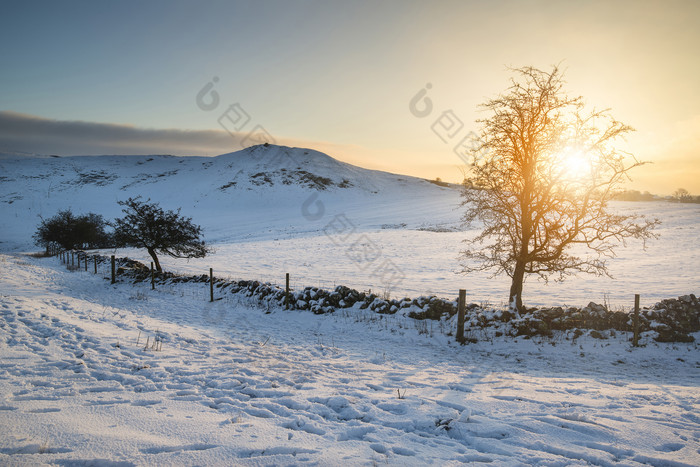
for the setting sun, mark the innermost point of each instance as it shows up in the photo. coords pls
(575, 163)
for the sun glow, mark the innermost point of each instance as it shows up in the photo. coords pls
(574, 163)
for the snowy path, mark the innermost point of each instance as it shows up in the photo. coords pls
(236, 385)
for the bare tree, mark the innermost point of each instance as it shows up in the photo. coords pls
(147, 225)
(542, 175)
(682, 195)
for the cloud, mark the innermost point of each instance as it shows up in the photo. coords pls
(23, 133)
(32, 134)
(29, 133)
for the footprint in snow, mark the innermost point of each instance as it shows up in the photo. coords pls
(407, 452)
(34, 449)
(189, 447)
(670, 447)
(378, 447)
(357, 433)
(145, 403)
(46, 410)
(308, 426)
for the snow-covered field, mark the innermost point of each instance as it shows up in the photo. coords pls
(429, 263)
(276, 210)
(236, 385)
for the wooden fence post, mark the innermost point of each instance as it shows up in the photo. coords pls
(211, 284)
(153, 284)
(114, 272)
(286, 292)
(85, 258)
(461, 305)
(635, 319)
(95, 264)
(72, 256)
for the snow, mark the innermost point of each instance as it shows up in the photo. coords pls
(264, 229)
(239, 383)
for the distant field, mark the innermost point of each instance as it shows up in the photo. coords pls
(428, 261)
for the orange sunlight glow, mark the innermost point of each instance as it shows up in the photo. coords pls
(574, 164)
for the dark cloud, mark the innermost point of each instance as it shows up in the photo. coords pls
(29, 133)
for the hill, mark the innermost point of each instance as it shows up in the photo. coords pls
(261, 190)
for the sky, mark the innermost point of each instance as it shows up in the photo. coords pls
(206, 78)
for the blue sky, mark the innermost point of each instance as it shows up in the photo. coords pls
(338, 76)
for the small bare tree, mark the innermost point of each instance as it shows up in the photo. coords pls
(682, 195)
(543, 172)
(147, 225)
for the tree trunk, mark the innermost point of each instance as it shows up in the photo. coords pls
(152, 252)
(516, 287)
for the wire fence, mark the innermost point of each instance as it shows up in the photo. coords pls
(322, 300)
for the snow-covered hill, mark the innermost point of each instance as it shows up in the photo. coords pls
(260, 190)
